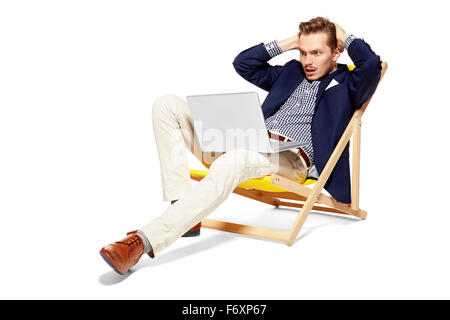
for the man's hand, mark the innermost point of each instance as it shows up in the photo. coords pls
(340, 36)
(289, 43)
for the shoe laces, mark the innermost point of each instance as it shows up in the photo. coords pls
(133, 241)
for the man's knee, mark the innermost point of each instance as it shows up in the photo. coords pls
(228, 166)
(238, 165)
(236, 158)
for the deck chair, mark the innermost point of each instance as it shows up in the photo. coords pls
(275, 189)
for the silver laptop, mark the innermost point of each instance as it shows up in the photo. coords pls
(229, 121)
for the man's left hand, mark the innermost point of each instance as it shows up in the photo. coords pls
(340, 36)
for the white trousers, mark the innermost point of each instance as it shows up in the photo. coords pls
(174, 133)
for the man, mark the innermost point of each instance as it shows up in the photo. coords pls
(311, 100)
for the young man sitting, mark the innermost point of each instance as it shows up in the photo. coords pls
(310, 100)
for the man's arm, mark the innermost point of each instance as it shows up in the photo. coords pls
(289, 43)
(364, 78)
(252, 64)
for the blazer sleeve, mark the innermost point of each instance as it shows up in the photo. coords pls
(251, 64)
(364, 78)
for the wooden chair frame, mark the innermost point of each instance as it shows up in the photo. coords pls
(304, 197)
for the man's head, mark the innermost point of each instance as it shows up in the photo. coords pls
(318, 47)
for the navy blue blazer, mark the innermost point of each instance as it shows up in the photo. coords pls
(334, 106)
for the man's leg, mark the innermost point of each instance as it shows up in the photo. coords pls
(174, 132)
(223, 176)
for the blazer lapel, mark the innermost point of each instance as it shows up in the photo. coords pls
(325, 81)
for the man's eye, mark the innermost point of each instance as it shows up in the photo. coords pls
(316, 53)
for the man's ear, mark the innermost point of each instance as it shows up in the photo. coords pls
(336, 55)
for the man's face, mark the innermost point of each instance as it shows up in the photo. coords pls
(316, 56)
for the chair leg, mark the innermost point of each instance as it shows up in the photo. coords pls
(262, 233)
(304, 212)
(356, 163)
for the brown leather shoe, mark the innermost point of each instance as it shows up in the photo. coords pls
(123, 254)
(150, 253)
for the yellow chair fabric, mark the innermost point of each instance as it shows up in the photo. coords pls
(262, 184)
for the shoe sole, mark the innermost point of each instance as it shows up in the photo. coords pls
(106, 258)
(192, 233)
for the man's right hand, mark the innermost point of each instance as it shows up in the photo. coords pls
(290, 43)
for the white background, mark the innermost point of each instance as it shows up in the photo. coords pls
(79, 167)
